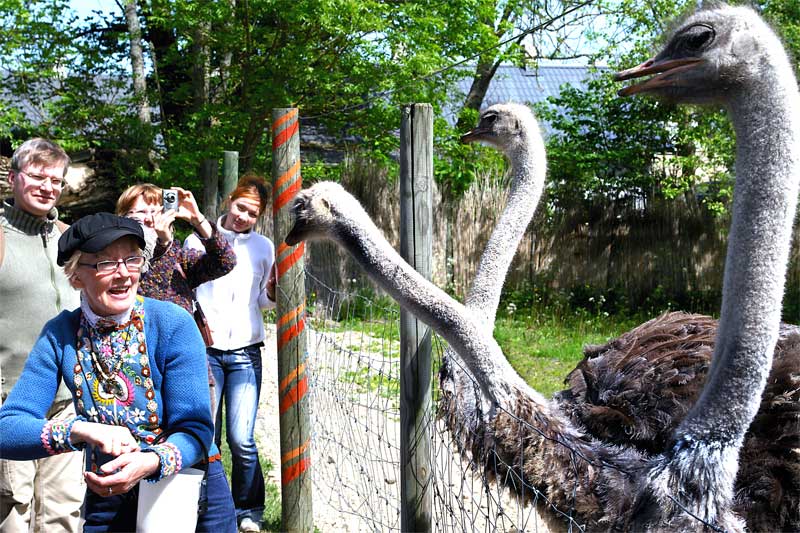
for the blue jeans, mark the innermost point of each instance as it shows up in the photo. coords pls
(114, 513)
(220, 516)
(237, 374)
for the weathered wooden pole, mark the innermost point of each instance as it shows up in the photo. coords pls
(416, 216)
(230, 173)
(296, 511)
(209, 175)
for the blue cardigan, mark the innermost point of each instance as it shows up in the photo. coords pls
(177, 362)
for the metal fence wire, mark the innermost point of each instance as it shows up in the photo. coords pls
(354, 363)
(353, 341)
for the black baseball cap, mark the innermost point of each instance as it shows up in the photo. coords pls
(93, 233)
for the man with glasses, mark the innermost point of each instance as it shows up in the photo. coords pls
(45, 494)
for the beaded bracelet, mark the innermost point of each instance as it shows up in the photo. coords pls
(56, 434)
(68, 434)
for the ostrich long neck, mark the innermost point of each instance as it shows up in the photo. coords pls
(448, 318)
(528, 171)
(767, 121)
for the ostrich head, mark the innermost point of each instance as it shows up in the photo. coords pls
(316, 216)
(713, 54)
(503, 126)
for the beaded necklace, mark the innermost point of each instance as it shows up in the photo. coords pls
(110, 392)
(108, 373)
(108, 380)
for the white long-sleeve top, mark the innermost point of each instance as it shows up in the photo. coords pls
(233, 303)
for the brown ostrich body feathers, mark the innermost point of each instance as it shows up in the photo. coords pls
(636, 389)
(633, 392)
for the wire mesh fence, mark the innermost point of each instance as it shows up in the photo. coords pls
(354, 361)
(354, 366)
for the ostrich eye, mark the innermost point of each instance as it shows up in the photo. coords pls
(698, 37)
(489, 119)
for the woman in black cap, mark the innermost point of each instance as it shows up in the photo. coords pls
(135, 369)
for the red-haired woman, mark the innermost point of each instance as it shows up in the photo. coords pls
(233, 305)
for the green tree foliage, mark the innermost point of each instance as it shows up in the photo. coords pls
(217, 69)
(608, 148)
(68, 76)
(615, 149)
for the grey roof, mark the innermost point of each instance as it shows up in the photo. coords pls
(525, 85)
(107, 90)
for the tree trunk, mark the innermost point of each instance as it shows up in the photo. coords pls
(484, 72)
(252, 138)
(226, 60)
(167, 76)
(200, 67)
(137, 62)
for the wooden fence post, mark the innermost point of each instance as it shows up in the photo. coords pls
(209, 175)
(230, 173)
(416, 222)
(295, 431)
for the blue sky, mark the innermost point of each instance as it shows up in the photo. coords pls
(85, 7)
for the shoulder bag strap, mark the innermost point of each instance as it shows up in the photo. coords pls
(167, 432)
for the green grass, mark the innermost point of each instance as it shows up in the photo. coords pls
(543, 348)
(366, 380)
(386, 329)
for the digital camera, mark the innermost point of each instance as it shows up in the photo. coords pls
(170, 200)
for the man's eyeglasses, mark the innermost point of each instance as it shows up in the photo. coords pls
(56, 182)
(133, 264)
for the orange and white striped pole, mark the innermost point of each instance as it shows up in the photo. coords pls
(296, 512)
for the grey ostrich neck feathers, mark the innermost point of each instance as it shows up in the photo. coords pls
(729, 55)
(526, 153)
(496, 378)
(512, 129)
(765, 111)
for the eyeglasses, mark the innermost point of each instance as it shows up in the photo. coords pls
(142, 214)
(133, 264)
(56, 182)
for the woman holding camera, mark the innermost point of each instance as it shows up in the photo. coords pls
(175, 271)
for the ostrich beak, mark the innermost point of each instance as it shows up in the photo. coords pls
(665, 70)
(474, 135)
(296, 234)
